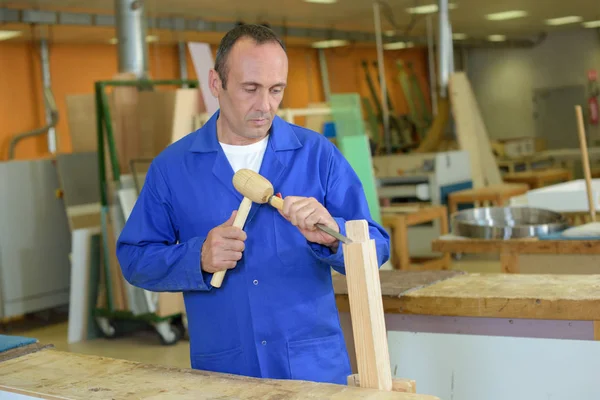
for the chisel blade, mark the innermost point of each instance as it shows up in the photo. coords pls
(333, 233)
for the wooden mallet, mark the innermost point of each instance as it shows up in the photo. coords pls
(255, 188)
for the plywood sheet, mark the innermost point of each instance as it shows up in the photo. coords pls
(560, 297)
(81, 116)
(397, 283)
(78, 376)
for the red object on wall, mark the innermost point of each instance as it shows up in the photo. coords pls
(593, 96)
(593, 110)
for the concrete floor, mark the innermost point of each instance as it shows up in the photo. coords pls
(145, 346)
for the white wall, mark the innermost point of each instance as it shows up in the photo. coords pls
(504, 79)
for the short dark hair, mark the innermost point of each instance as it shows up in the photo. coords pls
(259, 33)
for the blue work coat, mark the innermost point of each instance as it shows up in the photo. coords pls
(275, 315)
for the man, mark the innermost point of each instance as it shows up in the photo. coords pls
(275, 315)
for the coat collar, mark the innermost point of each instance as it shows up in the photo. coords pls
(282, 136)
(275, 161)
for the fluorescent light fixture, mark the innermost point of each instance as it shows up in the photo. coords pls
(459, 36)
(564, 20)
(5, 35)
(428, 9)
(496, 38)
(504, 15)
(592, 24)
(321, 1)
(149, 39)
(395, 46)
(324, 44)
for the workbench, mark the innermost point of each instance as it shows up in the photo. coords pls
(43, 372)
(530, 255)
(490, 336)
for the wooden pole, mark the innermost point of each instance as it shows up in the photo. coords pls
(586, 162)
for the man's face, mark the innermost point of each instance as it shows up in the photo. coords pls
(257, 76)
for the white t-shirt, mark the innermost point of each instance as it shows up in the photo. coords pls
(249, 156)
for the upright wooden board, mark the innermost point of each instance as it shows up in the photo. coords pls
(52, 374)
(81, 116)
(366, 308)
(471, 132)
(186, 107)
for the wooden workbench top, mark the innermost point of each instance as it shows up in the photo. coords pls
(454, 244)
(555, 297)
(63, 375)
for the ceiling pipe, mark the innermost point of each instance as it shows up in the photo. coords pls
(178, 24)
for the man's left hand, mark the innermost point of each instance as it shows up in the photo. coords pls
(305, 213)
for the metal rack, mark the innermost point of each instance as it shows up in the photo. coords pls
(113, 322)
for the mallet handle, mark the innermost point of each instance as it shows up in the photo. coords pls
(239, 221)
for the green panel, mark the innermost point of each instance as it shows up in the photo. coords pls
(347, 115)
(354, 144)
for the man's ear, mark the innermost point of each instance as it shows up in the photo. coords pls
(214, 82)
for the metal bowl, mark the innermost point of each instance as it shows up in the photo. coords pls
(507, 222)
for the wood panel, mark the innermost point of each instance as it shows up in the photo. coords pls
(78, 376)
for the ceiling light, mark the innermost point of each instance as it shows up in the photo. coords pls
(321, 1)
(564, 20)
(504, 15)
(592, 24)
(428, 9)
(324, 44)
(389, 33)
(395, 46)
(5, 35)
(496, 38)
(459, 36)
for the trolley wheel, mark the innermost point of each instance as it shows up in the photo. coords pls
(168, 333)
(107, 327)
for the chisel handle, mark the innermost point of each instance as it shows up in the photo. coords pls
(239, 221)
(276, 202)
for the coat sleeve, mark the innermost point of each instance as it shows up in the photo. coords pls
(345, 200)
(148, 250)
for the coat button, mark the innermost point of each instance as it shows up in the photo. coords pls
(255, 282)
(264, 342)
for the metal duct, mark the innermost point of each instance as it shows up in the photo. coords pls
(131, 36)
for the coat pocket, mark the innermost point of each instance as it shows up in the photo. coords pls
(321, 359)
(228, 361)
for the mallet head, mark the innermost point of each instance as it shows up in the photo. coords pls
(253, 186)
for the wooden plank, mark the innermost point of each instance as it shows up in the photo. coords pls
(454, 244)
(535, 296)
(366, 308)
(79, 376)
(471, 131)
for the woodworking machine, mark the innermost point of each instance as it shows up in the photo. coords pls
(427, 177)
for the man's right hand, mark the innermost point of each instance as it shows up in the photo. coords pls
(223, 247)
